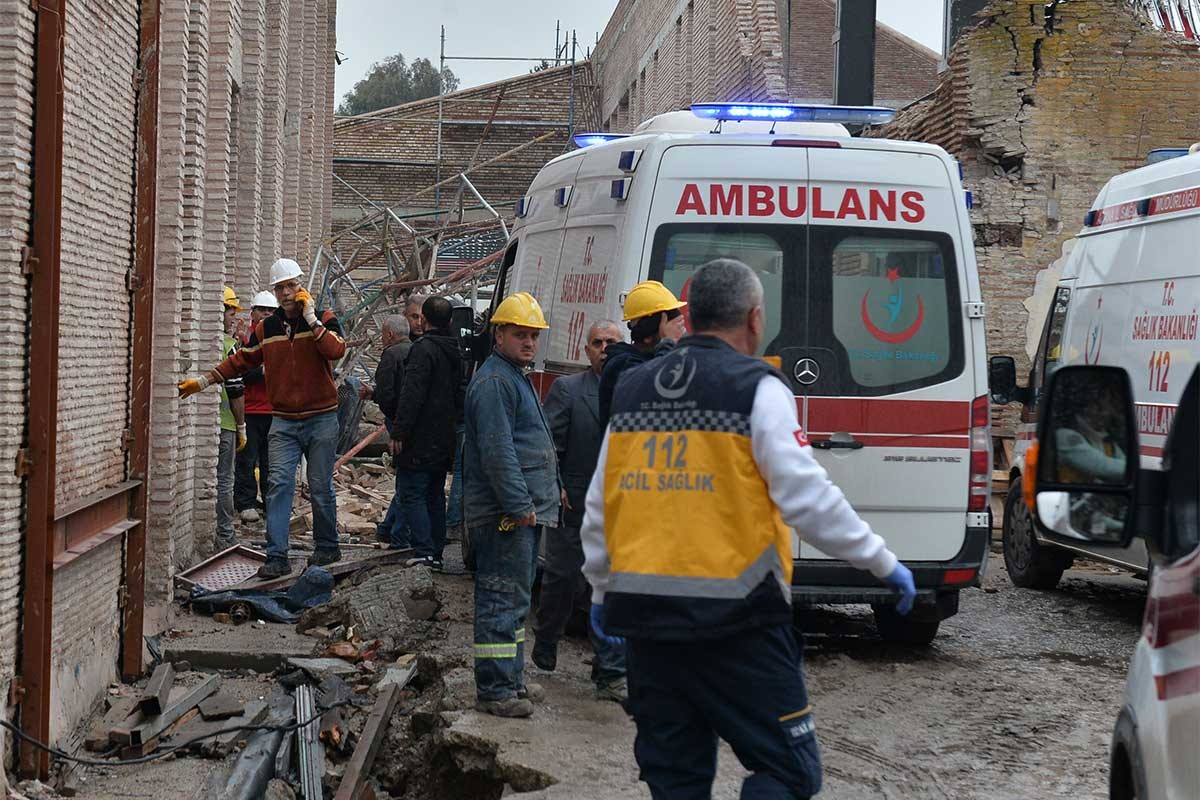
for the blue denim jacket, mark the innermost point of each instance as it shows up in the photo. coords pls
(509, 463)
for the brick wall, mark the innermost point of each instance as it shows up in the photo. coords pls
(1043, 104)
(221, 211)
(662, 55)
(904, 69)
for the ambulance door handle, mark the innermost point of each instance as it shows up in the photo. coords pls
(831, 444)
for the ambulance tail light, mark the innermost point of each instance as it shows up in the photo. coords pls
(583, 140)
(981, 455)
(786, 112)
(805, 143)
(953, 577)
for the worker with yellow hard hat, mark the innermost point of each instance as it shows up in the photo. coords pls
(655, 318)
(233, 424)
(510, 490)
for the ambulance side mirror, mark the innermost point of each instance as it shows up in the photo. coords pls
(1087, 466)
(1002, 379)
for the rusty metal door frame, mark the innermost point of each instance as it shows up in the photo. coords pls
(42, 260)
(92, 521)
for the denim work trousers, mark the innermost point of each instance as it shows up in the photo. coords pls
(504, 570)
(422, 498)
(225, 454)
(314, 438)
(454, 516)
(563, 589)
(748, 689)
(394, 527)
(245, 489)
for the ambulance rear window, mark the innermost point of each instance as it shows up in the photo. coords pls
(876, 309)
(894, 308)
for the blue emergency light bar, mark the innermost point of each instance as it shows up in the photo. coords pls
(784, 112)
(588, 139)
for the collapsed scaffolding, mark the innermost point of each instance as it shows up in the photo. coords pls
(367, 270)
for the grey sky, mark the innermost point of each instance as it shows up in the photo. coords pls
(371, 30)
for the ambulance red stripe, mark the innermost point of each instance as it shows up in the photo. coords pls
(1180, 683)
(1156, 206)
(887, 416)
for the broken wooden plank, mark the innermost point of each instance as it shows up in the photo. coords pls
(190, 698)
(225, 734)
(122, 707)
(154, 697)
(336, 569)
(221, 706)
(369, 743)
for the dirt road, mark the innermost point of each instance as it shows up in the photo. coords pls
(1016, 699)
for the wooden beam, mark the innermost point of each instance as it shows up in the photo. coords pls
(371, 740)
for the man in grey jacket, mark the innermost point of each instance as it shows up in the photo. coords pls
(573, 410)
(510, 490)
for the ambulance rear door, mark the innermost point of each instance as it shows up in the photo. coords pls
(884, 355)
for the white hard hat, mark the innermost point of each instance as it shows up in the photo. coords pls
(265, 300)
(284, 270)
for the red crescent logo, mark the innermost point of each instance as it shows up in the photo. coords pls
(899, 336)
(1088, 356)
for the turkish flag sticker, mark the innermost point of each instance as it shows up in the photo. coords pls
(801, 439)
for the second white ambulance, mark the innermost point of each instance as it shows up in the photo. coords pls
(1129, 296)
(873, 309)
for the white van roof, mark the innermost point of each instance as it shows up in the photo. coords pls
(1161, 178)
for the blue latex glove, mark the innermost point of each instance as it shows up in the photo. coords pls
(597, 617)
(901, 581)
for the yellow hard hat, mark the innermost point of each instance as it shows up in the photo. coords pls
(520, 309)
(231, 299)
(649, 297)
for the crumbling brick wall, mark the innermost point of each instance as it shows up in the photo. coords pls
(1042, 103)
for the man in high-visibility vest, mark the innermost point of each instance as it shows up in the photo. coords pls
(703, 471)
(510, 490)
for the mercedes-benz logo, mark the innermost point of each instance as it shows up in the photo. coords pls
(807, 371)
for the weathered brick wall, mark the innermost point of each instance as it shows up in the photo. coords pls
(16, 115)
(533, 105)
(1043, 104)
(97, 238)
(663, 55)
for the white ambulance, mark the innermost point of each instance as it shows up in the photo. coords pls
(873, 307)
(1129, 296)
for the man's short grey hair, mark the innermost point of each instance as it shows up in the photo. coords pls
(397, 325)
(721, 295)
(417, 300)
(603, 323)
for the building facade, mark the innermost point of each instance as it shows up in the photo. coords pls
(240, 175)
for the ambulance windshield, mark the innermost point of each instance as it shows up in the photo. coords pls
(878, 310)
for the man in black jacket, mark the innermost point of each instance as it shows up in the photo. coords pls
(389, 377)
(655, 323)
(429, 403)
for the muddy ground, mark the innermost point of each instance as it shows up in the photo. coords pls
(1015, 699)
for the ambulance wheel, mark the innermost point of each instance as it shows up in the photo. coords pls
(911, 629)
(1030, 564)
(468, 552)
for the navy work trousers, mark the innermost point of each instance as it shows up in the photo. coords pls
(747, 689)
